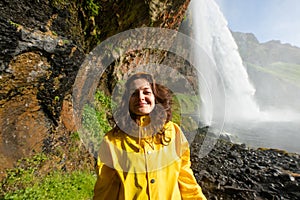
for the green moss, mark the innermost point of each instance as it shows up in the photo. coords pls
(14, 24)
(25, 174)
(58, 185)
(57, 3)
(183, 107)
(28, 181)
(92, 7)
(56, 98)
(95, 121)
(75, 136)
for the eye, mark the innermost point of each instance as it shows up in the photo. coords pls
(147, 92)
(133, 93)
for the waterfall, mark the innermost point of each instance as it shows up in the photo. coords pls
(210, 31)
(227, 101)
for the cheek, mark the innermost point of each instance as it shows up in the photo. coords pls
(152, 102)
(130, 102)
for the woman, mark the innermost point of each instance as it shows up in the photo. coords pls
(146, 156)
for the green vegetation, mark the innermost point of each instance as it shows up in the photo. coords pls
(284, 71)
(183, 106)
(287, 71)
(56, 98)
(14, 24)
(188, 103)
(59, 3)
(25, 173)
(92, 7)
(56, 185)
(36, 178)
(27, 181)
(91, 10)
(95, 119)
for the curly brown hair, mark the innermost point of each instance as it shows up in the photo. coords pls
(161, 114)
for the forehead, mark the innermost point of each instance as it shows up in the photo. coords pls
(139, 84)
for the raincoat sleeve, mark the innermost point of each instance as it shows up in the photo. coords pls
(189, 188)
(108, 183)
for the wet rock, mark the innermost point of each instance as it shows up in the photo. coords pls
(42, 46)
(8, 43)
(243, 173)
(30, 40)
(292, 186)
(205, 175)
(23, 123)
(286, 177)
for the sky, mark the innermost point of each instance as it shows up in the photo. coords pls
(266, 19)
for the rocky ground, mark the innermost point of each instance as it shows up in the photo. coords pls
(234, 171)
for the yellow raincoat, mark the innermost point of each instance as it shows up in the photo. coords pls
(137, 168)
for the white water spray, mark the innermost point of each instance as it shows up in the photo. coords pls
(211, 32)
(269, 128)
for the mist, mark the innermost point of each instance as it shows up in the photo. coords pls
(260, 109)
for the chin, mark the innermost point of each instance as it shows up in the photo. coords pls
(142, 112)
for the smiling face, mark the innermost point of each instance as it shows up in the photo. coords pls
(142, 100)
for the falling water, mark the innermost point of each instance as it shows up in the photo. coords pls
(243, 115)
(211, 32)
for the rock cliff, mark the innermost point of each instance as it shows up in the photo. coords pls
(43, 43)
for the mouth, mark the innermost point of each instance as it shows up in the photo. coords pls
(142, 104)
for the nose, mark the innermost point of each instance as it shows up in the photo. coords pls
(141, 95)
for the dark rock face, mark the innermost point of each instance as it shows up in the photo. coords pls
(22, 120)
(9, 36)
(232, 171)
(37, 73)
(42, 46)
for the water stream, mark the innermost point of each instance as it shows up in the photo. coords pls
(244, 119)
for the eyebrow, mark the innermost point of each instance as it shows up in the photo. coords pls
(146, 87)
(131, 91)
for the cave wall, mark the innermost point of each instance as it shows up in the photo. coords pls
(42, 45)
